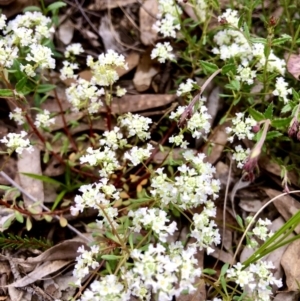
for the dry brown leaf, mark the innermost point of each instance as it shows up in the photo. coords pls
(16, 6)
(286, 205)
(274, 169)
(109, 4)
(290, 262)
(66, 250)
(41, 271)
(148, 34)
(30, 162)
(250, 205)
(138, 103)
(287, 296)
(66, 31)
(145, 72)
(293, 65)
(218, 140)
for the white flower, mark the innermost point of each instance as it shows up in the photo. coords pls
(41, 55)
(186, 87)
(2, 21)
(167, 26)
(28, 69)
(136, 155)
(242, 127)
(84, 95)
(245, 74)
(43, 119)
(120, 91)
(113, 139)
(281, 89)
(163, 52)
(73, 49)
(7, 54)
(136, 125)
(17, 116)
(68, 70)
(104, 69)
(15, 142)
(240, 155)
(231, 17)
(178, 140)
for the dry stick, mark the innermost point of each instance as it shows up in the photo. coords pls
(16, 185)
(255, 216)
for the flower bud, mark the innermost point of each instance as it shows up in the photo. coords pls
(256, 128)
(293, 129)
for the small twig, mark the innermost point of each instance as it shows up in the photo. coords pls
(16, 185)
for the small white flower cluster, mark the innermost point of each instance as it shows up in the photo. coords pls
(25, 30)
(198, 124)
(152, 219)
(165, 272)
(260, 230)
(162, 52)
(240, 155)
(105, 158)
(73, 50)
(43, 119)
(282, 90)
(257, 278)
(16, 142)
(17, 116)
(67, 71)
(241, 127)
(231, 43)
(138, 154)
(104, 69)
(85, 261)
(84, 95)
(191, 188)
(136, 125)
(168, 16)
(113, 139)
(205, 229)
(201, 9)
(185, 88)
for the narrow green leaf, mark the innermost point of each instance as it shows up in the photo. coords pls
(208, 67)
(229, 67)
(233, 85)
(286, 108)
(21, 84)
(258, 116)
(31, 8)
(45, 88)
(58, 199)
(281, 122)
(56, 6)
(273, 134)
(43, 178)
(111, 257)
(258, 40)
(269, 111)
(281, 40)
(6, 93)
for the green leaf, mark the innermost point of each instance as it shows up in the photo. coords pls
(6, 92)
(21, 84)
(233, 85)
(269, 111)
(258, 116)
(209, 271)
(31, 8)
(229, 67)
(43, 178)
(58, 199)
(28, 224)
(258, 40)
(208, 67)
(111, 257)
(273, 134)
(45, 88)
(281, 40)
(267, 50)
(19, 217)
(286, 108)
(63, 221)
(55, 6)
(281, 122)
